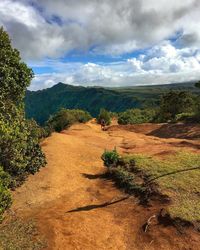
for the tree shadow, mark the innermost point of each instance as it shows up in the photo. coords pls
(95, 206)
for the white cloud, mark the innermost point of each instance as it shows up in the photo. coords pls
(49, 28)
(43, 29)
(161, 64)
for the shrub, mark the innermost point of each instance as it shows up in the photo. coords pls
(5, 199)
(184, 116)
(136, 116)
(5, 178)
(174, 103)
(104, 115)
(110, 158)
(65, 118)
(81, 115)
(5, 196)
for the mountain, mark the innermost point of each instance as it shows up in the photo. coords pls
(43, 103)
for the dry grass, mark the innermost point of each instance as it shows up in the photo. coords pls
(17, 235)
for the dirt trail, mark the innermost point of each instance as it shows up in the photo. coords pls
(70, 198)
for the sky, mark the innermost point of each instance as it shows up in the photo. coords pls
(105, 42)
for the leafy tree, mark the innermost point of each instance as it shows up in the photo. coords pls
(176, 102)
(15, 76)
(20, 152)
(136, 116)
(105, 115)
(197, 84)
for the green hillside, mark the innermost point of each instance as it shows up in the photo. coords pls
(41, 104)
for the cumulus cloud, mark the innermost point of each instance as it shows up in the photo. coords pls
(49, 28)
(163, 63)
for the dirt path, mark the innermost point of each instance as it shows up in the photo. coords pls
(77, 208)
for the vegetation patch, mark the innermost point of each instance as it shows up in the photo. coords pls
(20, 152)
(176, 177)
(104, 115)
(64, 118)
(136, 116)
(18, 234)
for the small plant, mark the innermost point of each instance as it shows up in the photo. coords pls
(110, 158)
(104, 115)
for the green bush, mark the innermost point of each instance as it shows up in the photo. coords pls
(104, 115)
(110, 158)
(136, 116)
(5, 196)
(64, 118)
(5, 178)
(184, 116)
(5, 199)
(174, 103)
(20, 153)
(81, 115)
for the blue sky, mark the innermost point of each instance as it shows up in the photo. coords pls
(105, 43)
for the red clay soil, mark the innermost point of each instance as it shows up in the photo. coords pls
(75, 207)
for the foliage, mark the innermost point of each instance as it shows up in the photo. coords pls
(65, 118)
(110, 158)
(43, 103)
(197, 84)
(174, 103)
(5, 196)
(104, 115)
(136, 116)
(185, 116)
(20, 153)
(15, 76)
(5, 199)
(125, 179)
(197, 113)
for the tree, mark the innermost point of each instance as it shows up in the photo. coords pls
(197, 84)
(20, 152)
(176, 102)
(15, 76)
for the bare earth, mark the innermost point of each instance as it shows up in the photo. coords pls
(73, 180)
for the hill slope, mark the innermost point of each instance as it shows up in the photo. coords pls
(41, 104)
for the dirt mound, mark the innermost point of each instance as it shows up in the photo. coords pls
(182, 131)
(145, 128)
(163, 130)
(77, 208)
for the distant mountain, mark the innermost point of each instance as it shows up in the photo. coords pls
(43, 103)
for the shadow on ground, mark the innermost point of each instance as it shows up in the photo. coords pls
(95, 206)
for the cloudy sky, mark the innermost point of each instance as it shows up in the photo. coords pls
(106, 42)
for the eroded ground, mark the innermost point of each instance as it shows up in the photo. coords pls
(75, 207)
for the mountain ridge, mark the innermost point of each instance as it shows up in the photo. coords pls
(43, 103)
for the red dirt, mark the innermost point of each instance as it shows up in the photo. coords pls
(73, 180)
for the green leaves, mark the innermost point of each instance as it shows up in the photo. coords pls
(176, 102)
(136, 116)
(66, 117)
(20, 152)
(104, 115)
(15, 76)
